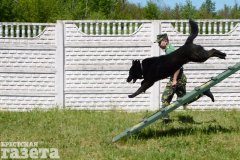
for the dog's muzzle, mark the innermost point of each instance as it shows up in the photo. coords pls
(129, 79)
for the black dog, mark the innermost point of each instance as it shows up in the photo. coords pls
(156, 68)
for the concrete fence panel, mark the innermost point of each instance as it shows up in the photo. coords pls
(84, 64)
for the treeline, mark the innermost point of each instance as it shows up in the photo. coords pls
(52, 10)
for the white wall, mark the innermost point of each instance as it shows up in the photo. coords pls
(68, 67)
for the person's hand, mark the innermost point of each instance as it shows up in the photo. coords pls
(174, 83)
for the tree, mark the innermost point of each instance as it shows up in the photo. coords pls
(6, 11)
(125, 10)
(151, 10)
(189, 11)
(177, 11)
(235, 12)
(51, 10)
(37, 10)
(209, 7)
(224, 13)
(76, 9)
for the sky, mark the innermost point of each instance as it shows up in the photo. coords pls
(219, 3)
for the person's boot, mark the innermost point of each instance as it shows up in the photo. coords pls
(166, 119)
(209, 94)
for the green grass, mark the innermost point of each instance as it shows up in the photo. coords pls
(78, 135)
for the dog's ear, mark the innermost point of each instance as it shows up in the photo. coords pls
(138, 63)
(133, 62)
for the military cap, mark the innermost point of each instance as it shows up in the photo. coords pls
(160, 37)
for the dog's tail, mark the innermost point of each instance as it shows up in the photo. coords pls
(194, 32)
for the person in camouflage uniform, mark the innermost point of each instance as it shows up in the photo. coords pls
(177, 82)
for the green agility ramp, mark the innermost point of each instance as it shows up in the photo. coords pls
(180, 101)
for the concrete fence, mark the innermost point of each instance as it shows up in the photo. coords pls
(84, 64)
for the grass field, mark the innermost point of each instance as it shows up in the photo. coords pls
(79, 135)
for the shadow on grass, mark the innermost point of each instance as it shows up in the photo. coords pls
(168, 130)
(189, 119)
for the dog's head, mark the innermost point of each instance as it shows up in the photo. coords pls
(135, 71)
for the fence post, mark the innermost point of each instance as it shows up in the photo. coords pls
(155, 50)
(59, 79)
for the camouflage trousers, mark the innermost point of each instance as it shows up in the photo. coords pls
(180, 91)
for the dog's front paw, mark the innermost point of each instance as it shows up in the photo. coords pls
(130, 96)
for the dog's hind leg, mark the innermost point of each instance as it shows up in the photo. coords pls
(144, 86)
(216, 53)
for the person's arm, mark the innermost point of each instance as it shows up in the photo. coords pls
(174, 83)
